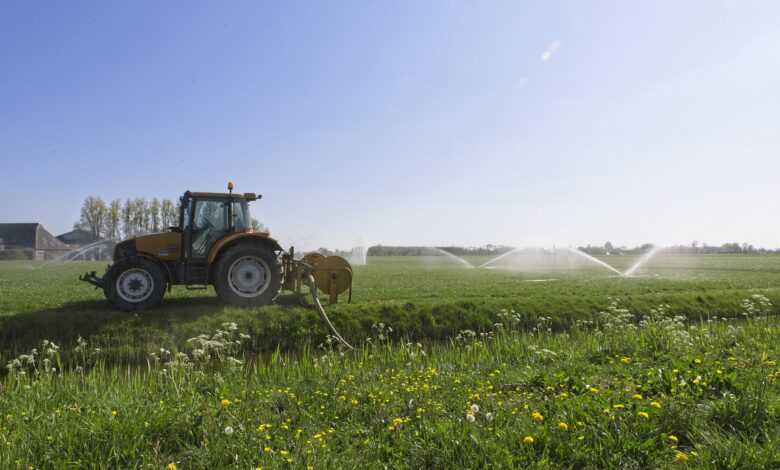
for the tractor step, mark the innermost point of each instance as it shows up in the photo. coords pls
(195, 287)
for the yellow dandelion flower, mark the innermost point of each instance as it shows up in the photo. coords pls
(618, 406)
(283, 453)
(655, 405)
(225, 403)
(267, 450)
(537, 417)
(563, 426)
(673, 439)
(170, 466)
(397, 422)
(113, 413)
(626, 360)
(528, 440)
(643, 414)
(680, 457)
(593, 390)
(636, 396)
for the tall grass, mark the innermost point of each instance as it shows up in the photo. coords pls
(626, 391)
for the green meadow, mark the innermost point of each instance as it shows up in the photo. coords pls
(530, 367)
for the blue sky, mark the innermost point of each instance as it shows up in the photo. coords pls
(426, 123)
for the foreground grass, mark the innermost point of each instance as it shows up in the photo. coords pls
(626, 391)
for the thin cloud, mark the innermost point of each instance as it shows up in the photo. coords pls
(550, 50)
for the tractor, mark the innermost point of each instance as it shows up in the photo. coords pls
(215, 245)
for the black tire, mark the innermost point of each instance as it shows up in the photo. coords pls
(256, 275)
(134, 283)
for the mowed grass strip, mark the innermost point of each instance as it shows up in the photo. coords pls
(423, 298)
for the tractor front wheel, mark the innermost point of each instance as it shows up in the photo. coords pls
(134, 284)
(248, 274)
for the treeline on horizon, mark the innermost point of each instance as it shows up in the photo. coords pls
(695, 248)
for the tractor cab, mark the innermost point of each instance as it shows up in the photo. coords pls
(206, 218)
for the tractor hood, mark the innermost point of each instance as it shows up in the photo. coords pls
(165, 246)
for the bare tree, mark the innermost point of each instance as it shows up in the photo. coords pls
(167, 213)
(113, 219)
(139, 216)
(127, 218)
(93, 215)
(258, 226)
(154, 215)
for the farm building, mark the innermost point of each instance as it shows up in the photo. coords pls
(86, 245)
(78, 238)
(29, 241)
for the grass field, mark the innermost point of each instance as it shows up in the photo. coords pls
(481, 368)
(422, 298)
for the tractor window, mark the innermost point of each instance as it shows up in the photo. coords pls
(241, 215)
(209, 224)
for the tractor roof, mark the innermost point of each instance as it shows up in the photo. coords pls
(246, 196)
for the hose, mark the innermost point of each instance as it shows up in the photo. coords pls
(313, 288)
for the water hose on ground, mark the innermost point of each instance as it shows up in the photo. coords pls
(311, 283)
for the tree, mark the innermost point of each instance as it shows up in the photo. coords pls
(167, 213)
(257, 226)
(608, 247)
(93, 215)
(139, 215)
(154, 215)
(128, 218)
(113, 219)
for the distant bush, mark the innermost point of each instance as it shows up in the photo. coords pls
(16, 254)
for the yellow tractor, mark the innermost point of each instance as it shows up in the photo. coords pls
(214, 244)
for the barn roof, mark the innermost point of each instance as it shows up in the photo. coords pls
(78, 237)
(31, 236)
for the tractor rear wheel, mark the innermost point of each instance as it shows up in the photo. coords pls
(134, 283)
(248, 274)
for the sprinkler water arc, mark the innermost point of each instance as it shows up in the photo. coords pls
(501, 256)
(594, 260)
(641, 261)
(454, 257)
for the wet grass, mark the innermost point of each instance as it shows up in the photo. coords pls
(423, 298)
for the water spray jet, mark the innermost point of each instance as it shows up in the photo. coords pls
(630, 272)
(454, 257)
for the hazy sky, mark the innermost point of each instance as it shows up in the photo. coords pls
(425, 123)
